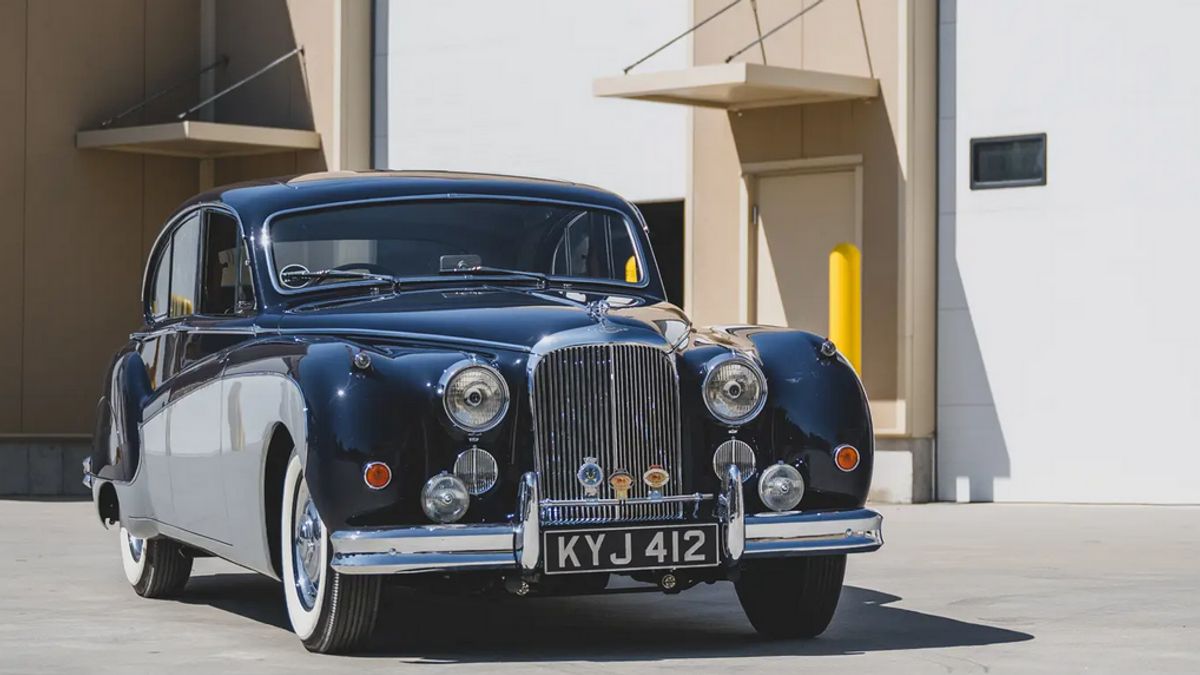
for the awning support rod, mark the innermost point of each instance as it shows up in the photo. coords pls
(219, 63)
(298, 50)
(772, 31)
(682, 35)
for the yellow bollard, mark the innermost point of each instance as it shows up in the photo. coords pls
(845, 302)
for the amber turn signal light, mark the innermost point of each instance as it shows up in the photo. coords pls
(846, 457)
(377, 475)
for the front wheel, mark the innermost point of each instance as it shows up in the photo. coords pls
(330, 612)
(791, 597)
(156, 568)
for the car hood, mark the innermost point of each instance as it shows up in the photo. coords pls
(508, 318)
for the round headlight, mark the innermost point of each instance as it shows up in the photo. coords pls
(477, 469)
(781, 487)
(475, 396)
(444, 498)
(737, 453)
(734, 389)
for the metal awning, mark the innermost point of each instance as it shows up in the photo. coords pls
(735, 86)
(197, 139)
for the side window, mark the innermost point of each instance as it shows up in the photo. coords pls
(218, 294)
(160, 286)
(596, 245)
(185, 258)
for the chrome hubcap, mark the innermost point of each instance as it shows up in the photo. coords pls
(307, 540)
(136, 546)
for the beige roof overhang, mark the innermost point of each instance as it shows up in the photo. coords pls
(736, 86)
(201, 140)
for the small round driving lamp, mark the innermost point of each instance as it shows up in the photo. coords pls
(445, 498)
(781, 487)
(734, 389)
(475, 396)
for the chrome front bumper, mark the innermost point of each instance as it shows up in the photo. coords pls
(517, 546)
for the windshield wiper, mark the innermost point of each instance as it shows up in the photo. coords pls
(313, 277)
(542, 279)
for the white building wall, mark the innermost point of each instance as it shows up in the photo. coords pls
(1069, 336)
(506, 87)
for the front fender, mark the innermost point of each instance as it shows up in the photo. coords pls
(391, 412)
(815, 403)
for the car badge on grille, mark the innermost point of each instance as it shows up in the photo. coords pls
(620, 481)
(590, 476)
(654, 478)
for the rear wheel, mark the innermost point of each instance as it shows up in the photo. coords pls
(791, 597)
(330, 612)
(156, 568)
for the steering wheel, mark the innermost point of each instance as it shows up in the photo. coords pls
(366, 267)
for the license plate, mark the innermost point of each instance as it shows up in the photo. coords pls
(630, 548)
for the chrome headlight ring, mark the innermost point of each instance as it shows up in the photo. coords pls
(455, 397)
(719, 365)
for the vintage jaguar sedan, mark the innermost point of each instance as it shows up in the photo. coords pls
(350, 378)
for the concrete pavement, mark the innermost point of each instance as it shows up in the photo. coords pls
(957, 588)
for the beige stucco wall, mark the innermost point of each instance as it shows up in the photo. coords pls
(829, 38)
(331, 94)
(77, 224)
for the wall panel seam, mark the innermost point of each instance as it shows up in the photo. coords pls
(24, 227)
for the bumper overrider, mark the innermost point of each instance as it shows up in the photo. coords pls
(517, 545)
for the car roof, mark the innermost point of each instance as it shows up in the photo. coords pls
(256, 200)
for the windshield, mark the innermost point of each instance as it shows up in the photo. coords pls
(444, 237)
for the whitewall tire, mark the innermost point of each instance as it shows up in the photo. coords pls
(329, 612)
(156, 568)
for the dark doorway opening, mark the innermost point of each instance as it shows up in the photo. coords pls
(665, 220)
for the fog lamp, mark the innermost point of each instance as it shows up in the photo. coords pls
(477, 469)
(444, 498)
(737, 453)
(781, 487)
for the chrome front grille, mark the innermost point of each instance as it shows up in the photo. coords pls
(618, 403)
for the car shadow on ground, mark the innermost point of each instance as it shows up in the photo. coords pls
(706, 622)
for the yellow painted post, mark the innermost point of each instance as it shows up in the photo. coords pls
(845, 302)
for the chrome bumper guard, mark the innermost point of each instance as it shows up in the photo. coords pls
(517, 546)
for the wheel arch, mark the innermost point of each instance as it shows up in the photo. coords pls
(279, 450)
(108, 505)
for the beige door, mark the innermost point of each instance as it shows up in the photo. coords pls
(801, 217)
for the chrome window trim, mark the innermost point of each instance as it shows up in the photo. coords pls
(169, 228)
(711, 366)
(269, 256)
(456, 368)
